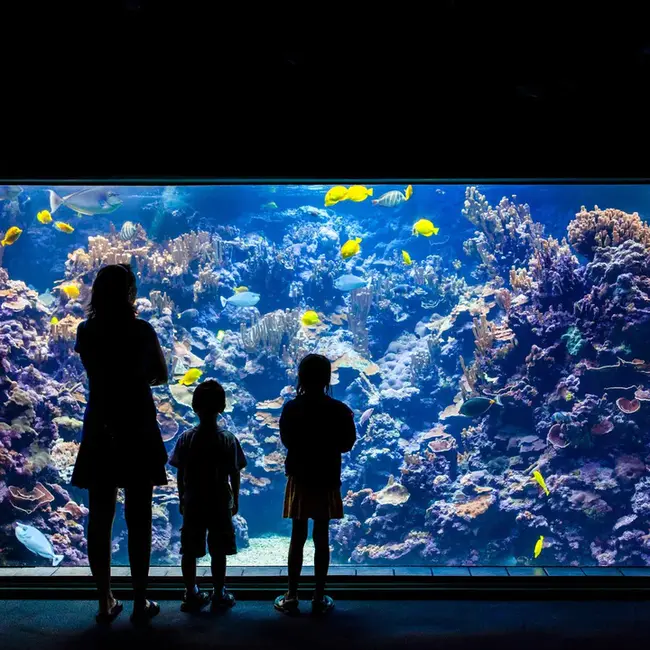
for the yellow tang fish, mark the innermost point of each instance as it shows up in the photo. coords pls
(351, 248)
(358, 193)
(54, 321)
(11, 236)
(70, 290)
(240, 289)
(310, 318)
(336, 194)
(190, 377)
(538, 546)
(220, 335)
(44, 216)
(63, 227)
(540, 479)
(408, 192)
(406, 258)
(425, 228)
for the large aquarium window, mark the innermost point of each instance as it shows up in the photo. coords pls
(491, 340)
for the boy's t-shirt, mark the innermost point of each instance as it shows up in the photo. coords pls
(207, 456)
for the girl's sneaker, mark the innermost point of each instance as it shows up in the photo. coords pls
(194, 602)
(286, 605)
(322, 606)
(224, 600)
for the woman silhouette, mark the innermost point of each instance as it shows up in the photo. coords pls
(121, 445)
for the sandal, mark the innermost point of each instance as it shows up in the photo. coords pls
(195, 602)
(223, 601)
(322, 606)
(105, 618)
(286, 605)
(150, 610)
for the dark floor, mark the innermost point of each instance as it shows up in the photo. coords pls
(45, 625)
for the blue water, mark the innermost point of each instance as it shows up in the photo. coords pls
(474, 503)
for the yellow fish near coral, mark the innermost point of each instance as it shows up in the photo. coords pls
(11, 236)
(240, 289)
(538, 546)
(220, 335)
(336, 194)
(190, 377)
(70, 290)
(358, 193)
(540, 479)
(63, 227)
(310, 318)
(351, 248)
(406, 258)
(54, 321)
(425, 228)
(44, 216)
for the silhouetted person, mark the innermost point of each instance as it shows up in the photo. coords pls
(316, 429)
(209, 460)
(121, 445)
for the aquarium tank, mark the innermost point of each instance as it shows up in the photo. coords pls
(492, 341)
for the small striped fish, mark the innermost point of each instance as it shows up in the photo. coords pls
(127, 231)
(390, 199)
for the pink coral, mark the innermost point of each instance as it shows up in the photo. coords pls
(556, 437)
(628, 405)
(602, 428)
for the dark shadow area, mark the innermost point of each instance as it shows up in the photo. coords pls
(69, 625)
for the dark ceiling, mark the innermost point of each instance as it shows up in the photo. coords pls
(447, 88)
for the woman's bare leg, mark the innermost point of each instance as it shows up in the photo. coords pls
(137, 512)
(101, 506)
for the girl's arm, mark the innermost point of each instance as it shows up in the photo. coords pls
(348, 431)
(287, 433)
(158, 374)
(235, 480)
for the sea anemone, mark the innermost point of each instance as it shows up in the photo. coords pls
(628, 405)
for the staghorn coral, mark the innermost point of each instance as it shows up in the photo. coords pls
(360, 301)
(594, 229)
(271, 332)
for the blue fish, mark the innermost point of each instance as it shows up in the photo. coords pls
(94, 200)
(349, 283)
(34, 540)
(243, 299)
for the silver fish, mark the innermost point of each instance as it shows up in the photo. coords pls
(189, 313)
(9, 192)
(47, 298)
(127, 230)
(349, 282)
(34, 540)
(243, 299)
(94, 200)
(390, 199)
(365, 416)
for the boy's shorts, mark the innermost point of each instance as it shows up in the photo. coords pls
(218, 528)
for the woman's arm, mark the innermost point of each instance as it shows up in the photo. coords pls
(158, 366)
(348, 431)
(286, 427)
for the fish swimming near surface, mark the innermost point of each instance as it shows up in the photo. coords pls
(44, 217)
(243, 299)
(10, 192)
(476, 406)
(11, 236)
(539, 545)
(406, 258)
(47, 298)
(34, 540)
(540, 479)
(351, 248)
(425, 228)
(240, 289)
(310, 318)
(128, 230)
(358, 193)
(188, 313)
(94, 200)
(191, 376)
(64, 227)
(335, 195)
(394, 198)
(271, 205)
(349, 282)
(365, 416)
(70, 290)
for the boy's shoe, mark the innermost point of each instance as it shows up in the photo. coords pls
(224, 600)
(286, 605)
(322, 606)
(194, 602)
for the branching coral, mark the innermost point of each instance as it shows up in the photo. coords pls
(271, 331)
(360, 301)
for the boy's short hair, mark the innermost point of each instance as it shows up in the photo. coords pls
(209, 398)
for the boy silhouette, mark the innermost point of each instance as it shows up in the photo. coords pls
(209, 460)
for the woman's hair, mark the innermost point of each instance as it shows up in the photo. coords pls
(114, 292)
(314, 375)
(209, 398)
